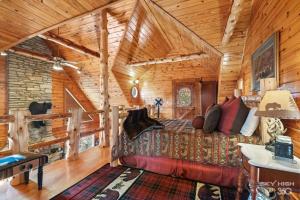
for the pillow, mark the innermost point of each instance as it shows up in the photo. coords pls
(212, 119)
(234, 114)
(208, 108)
(198, 122)
(251, 123)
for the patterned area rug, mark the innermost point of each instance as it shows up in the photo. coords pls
(134, 184)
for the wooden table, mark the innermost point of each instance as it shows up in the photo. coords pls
(261, 169)
(31, 161)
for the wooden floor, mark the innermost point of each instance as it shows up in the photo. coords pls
(57, 176)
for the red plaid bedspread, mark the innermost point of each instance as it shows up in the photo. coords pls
(179, 140)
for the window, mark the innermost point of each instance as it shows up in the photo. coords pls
(184, 97)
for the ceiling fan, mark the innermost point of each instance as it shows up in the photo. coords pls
(59, 62)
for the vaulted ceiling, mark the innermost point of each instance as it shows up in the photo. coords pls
(139, 31)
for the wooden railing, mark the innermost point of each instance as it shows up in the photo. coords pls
(19, 133)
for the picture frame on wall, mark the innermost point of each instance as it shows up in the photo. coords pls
(265, 61)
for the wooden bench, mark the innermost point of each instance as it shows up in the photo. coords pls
(23, 163)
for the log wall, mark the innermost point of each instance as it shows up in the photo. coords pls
(268, 17)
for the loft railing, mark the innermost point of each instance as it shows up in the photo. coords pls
(19, 134)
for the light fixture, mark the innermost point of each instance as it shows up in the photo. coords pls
(57, 66)
(136, 81)
(3, 53)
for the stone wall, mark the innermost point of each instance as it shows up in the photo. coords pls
(29, 79)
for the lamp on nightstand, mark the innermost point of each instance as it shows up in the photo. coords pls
(278, 104)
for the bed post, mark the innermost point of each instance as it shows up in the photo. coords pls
(114, 136)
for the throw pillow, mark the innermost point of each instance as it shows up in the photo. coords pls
(234, 114)
(212, 119)
(198, 122)
(208, 108)
(251, 123)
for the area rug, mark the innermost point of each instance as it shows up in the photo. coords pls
(125, 183)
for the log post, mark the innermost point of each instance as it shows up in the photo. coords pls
(104, 104)
(72, 144)
(19, 136)
(19, 132)
(114, 137)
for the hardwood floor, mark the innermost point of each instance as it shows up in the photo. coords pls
(57, 176)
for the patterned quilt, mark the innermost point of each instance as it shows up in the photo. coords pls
(179, 140)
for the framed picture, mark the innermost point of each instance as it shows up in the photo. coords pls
(265, 61)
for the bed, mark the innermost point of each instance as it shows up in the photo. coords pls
(182, 151)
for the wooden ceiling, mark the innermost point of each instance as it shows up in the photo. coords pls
(21, 19)
(139, 31)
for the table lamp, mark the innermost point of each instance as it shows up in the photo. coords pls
(277, 104)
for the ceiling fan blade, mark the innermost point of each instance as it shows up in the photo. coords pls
(70, 65)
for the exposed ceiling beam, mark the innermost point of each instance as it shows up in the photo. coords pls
(31, 54)
(233, 18)
(181, 58)
(92, 12)
(195, 36)
(69, 44)
(36, 55)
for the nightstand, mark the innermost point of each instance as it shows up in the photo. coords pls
(261, 169)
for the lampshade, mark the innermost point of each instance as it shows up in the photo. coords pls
(278, 104)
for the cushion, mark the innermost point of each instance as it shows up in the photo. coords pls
(251, 123)
(234, 114)
(212, 119)
(209, 107)
(11, 159)
(198, 122)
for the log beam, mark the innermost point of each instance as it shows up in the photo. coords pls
(104, 104)
(169, 60)
(232, 20)
(31, 54)
(69, 44)
(36, 55)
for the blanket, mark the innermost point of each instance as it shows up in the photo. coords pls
(179, 140)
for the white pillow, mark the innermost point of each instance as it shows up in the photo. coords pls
(251, 123)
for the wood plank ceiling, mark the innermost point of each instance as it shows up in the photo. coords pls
(148, 30)
(20, 19)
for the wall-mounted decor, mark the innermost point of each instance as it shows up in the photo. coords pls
(134, 92)
(265, 61)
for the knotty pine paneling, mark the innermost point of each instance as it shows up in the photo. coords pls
(157, 81)
(269, 16)
(60, 81)
(19, 19)
(3, 100)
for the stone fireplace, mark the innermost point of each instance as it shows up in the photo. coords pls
(30, 80)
